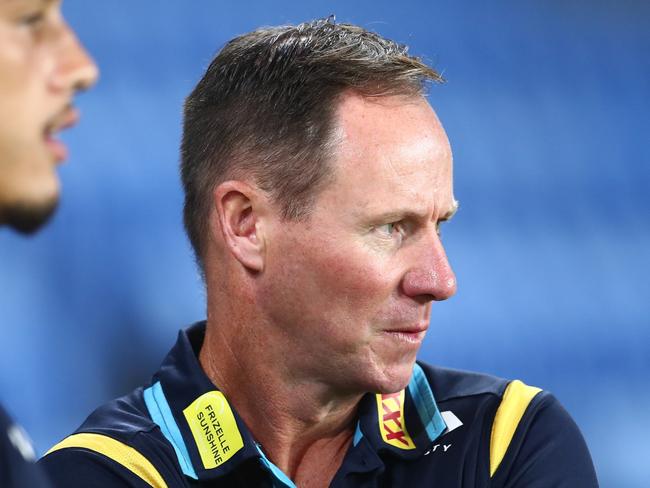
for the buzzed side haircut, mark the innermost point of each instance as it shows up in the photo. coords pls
(265, 109)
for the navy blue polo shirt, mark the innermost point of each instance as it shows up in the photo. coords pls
(446, 429)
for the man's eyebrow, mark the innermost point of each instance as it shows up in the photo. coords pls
(409, 213)
(400, 214)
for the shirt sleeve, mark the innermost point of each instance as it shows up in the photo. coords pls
(547, 451)
(98, 460)
(83, 468)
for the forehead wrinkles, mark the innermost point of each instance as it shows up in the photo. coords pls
(392, 146)
(407, 164)
(422, 188)
(405, 128)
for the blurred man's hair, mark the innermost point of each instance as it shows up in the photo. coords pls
(265, 109)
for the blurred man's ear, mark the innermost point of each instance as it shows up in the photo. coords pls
(238, 218)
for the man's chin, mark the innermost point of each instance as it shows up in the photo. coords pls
(28, 217)
(395, 379)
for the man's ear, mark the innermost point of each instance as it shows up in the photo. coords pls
(237, 210)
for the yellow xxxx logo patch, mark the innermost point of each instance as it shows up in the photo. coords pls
(390, 412)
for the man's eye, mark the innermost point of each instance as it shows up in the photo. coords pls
(390, 230)
(33, 19)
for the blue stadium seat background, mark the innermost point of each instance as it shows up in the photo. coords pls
(547, 108)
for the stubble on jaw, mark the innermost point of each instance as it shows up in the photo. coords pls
(27, 217)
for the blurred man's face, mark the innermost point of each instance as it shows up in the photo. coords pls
(351, 288)
(42, 65)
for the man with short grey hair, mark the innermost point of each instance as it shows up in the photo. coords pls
(316, 180)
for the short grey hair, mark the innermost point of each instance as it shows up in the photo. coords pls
(265, 109)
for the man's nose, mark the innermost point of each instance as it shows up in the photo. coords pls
(76, 70)
(431, 277)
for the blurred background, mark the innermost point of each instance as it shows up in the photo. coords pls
(547, 108)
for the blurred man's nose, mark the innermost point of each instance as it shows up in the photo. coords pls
(431, 277)
(76, 70)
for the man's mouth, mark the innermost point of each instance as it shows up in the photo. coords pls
(409, 334)
(408, 337)
(65, 119)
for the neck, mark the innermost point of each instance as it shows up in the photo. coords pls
(303, 425)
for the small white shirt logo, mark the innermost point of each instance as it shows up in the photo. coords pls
(451, 420)
(453, 423)
(443, 447)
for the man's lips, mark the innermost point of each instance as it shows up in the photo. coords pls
(65, 119)
(410, 333)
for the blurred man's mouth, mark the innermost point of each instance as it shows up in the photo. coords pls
(65, 119)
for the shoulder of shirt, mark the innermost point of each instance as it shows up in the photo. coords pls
(118, 440)
(513, 401)
(120, 418)
(521, 418)
(470, 387)
(450, 384)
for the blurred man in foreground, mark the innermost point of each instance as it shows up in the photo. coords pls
(42, 66)
(316, 180)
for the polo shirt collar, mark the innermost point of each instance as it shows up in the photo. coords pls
(208, 436)
(211, 440)
(406, 423)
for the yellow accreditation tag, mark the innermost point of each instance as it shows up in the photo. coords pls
(214, 428)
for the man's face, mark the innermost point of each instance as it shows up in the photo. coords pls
(42, 65)
(351, 288)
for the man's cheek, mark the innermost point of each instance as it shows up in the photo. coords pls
(352, 269)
